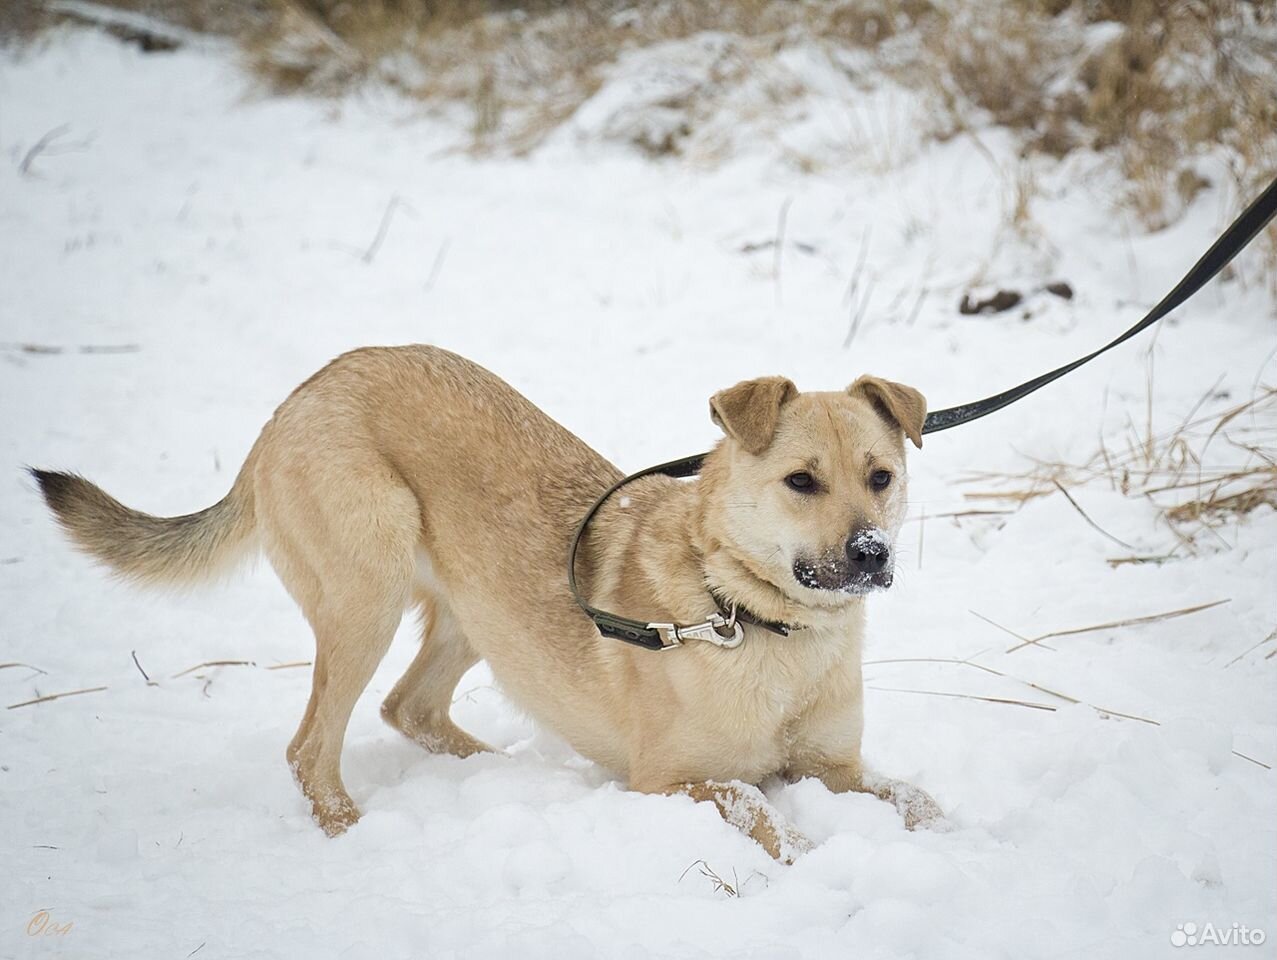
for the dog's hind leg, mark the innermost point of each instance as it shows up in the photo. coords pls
(350, 567)
(418, 705)
(347, 654)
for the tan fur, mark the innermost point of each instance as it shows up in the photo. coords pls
(902, 405)
(749, 411)
(147, 549)
(400, 478)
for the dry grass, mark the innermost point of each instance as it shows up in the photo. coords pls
(1104, 712)
(26, 666)
(733, 888)
(519, 70)
(1039, 640)
(48, 697)
(1154, 84)
(215, 663)
(1205, 474)
(21, 22)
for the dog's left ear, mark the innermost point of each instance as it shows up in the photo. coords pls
(749, 411)
(902, 405)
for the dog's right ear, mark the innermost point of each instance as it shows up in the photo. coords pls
(897, 403)
(749, 411)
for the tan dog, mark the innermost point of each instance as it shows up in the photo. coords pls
(409, 477)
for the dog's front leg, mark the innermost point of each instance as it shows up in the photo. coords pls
(745, 808)
(915, 806)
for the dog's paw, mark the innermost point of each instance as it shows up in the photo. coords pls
(916, 807)
(745, 808)
(335, 813)
(790, 846)
(919, 811)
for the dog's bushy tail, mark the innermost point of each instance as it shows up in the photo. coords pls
(174, 551)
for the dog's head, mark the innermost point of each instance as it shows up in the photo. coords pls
(807, 490)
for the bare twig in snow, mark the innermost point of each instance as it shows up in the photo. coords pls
(859, 315)
(108, 348)
(149, 681)
(917, 306)
(853, 285)
(1010, 701)
(1019, 496)
(958, 514)
(717, 882)
(438, 264)
(393, 204)
(778, 253)
(1007, 630)
(54, 696)
(40, 146)
(1131, 622)
(1161, 558)
(15, 663)
(1252, 648)
(48, 349)
(1083, 514)
(215, 663)
(1258, 763)
(970, 662)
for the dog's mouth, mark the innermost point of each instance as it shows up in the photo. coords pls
(837, 575)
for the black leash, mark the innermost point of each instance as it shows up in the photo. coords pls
(663, 636)
(1235, 239)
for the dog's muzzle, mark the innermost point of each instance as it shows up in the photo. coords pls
(864, 565)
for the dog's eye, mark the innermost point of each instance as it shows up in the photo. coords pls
(801, 481)
(880, 479)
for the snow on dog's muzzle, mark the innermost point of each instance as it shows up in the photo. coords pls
(864, 564)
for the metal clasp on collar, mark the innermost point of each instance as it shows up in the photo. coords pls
(711, 631)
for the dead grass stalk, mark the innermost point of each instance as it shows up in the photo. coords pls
(1206, 473)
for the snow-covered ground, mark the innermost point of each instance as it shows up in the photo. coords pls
(214, 249)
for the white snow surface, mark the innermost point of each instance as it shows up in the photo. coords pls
(221, 238)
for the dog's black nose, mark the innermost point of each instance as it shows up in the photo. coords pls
(868, 554)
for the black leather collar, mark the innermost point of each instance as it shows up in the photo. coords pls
(744, 615)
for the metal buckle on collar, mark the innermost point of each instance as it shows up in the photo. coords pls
(711, 631)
